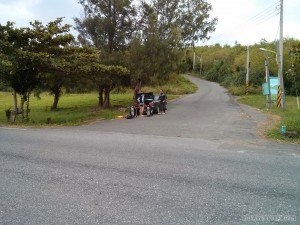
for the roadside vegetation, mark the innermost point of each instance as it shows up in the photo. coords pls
(47, 76)
(290, 117)
(78, 109)
(119, 44)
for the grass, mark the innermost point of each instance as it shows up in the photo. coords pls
(177, 85)
(290, 117)
(77, 109)
(74, 109)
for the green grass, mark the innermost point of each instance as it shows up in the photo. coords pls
(73, 109)
(290, 117)
(177, 85)
(77, 109)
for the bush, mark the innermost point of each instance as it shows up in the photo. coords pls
(4, 87)
(241, 90)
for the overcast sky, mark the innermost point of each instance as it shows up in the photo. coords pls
(244, 21)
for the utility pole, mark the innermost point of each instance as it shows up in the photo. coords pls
(248, 71)
(281, 98)
(269, 101)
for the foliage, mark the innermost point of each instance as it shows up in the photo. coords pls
(106, 78)
(47, 58)
(176, 85)
(107, 24)
(189, 18)
(18, 69)
(227, 65)
(289, 117)
(77, 109)
(292, 83)
(149, 35)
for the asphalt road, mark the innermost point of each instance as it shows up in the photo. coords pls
(201, 163)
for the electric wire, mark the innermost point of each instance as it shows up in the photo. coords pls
(267, 14)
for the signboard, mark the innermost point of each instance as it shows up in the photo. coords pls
(274, 87)
(265, 89)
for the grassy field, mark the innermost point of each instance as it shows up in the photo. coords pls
(290, 117)
(77, 109)
(74, 109)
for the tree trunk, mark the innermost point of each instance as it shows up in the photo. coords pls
(106, 97)
(15, 102)
(23, 100)
(27, 107)
(100, 91)
(56, 99)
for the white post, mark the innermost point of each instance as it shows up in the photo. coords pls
(268, 81)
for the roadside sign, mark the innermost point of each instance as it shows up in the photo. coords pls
(274, 87)
(265, 89)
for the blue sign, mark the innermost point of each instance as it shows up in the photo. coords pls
(265, 89)
(274, 87)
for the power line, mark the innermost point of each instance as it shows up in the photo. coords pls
(270, 12)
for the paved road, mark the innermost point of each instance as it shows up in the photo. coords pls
(201, 163)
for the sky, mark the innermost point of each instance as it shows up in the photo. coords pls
(241, 21)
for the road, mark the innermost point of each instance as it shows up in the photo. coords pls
(201, 163)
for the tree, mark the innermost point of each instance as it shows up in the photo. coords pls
(151, 57)
(107, 24)
(164, 27)
(105, 78)
(156, 30)
(189, 16)
(18, 67)
(292, 75)
(5, 70)
(24, 81)
(52, 44)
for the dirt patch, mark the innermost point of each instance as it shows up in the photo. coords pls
(269, 124)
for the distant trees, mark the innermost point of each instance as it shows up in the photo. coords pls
(227, 65)
(148, 37)
(293, 73)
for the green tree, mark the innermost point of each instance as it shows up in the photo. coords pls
(107, 24)
(106, 78)
(190, 17)
(53, 46)
(18, 69)
(160, 27)
(292, 75)
(152, 57)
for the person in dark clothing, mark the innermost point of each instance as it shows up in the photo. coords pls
(162, 98)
